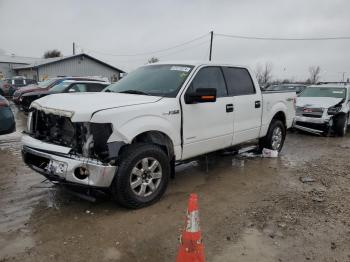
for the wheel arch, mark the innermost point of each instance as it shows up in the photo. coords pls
(158, 138)
(280, 115)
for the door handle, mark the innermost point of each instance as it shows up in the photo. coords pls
(257, 104)
(229, 108)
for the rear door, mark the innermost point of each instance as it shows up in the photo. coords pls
(247, 104)
(207, 126)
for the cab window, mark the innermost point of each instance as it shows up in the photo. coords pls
(239, 81)
(209, 77)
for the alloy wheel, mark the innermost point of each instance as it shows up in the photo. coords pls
(145, 177)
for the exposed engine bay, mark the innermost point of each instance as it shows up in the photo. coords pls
(86, 139)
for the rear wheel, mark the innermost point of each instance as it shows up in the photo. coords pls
(341, 125)
(275, 136)
(142, 176)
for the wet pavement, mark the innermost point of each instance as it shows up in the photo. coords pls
(292, 208)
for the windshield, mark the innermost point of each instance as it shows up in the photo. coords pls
(60, 87)
(157, 80)
(324, 92)
(46, 83)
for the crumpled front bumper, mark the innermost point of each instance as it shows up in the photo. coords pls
(311, 124)
(55, 163)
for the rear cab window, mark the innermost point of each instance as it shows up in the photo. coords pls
(239, 81)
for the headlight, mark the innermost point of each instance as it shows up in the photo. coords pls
(100, 135)
(333, 110)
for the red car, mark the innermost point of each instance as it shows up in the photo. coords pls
(41, 86)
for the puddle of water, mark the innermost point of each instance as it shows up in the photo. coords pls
(254, 246)
(112, 254)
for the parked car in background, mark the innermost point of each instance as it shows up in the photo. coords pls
(41, 86)
(127, 141)
(46, 85)
(298, 88)
(2, 82)
(65, 86)
(323, 108)
(5, 86)
(7, 120)
(10, 85)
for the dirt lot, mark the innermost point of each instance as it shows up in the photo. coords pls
(292, 208)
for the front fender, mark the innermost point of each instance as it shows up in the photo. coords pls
(138, 125)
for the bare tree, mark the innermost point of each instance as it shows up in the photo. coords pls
(52, 53)
(153, 59)
(315, 72)
(264, 74)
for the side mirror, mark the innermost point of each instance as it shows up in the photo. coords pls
(201, 95)
(71, 90)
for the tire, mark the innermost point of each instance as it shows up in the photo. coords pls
(152, 185)
(276, 129)
(341, 125)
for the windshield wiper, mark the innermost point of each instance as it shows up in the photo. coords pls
(136, 92)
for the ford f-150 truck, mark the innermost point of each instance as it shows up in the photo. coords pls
(127, 139)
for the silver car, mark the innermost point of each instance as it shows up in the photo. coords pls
(322, 109)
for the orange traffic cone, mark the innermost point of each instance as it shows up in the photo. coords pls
(191, 247)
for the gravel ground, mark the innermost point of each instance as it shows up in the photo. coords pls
(291, 208)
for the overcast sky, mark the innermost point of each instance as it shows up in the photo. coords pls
(101, 28)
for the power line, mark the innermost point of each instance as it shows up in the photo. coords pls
(285, 39)
(164, 55)
(152, 52)
(186, 48)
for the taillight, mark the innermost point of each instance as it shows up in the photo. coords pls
(4, 103)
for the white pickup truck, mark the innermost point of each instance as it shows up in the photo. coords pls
(127, 139)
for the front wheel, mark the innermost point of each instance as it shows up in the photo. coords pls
(142, 176)
(341, 125)
(275, 136)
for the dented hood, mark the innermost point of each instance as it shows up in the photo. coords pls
(317, 102)
(81, 106)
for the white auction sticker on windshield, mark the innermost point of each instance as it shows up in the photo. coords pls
(338, 92)
(180, 68)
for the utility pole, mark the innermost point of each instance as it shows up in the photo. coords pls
(73, 48)
(211, 44)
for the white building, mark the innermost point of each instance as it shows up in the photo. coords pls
(40, 69)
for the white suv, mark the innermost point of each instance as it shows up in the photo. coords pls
(323, 108)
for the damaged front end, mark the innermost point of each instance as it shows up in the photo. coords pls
(317, 120)
(85, 139)
(70, 152)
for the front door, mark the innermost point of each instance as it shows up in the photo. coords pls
(207, 126)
